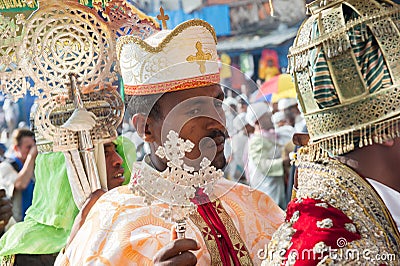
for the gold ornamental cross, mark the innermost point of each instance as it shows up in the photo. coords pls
(163, 18)
(200, 57)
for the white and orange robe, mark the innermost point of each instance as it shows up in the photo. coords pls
(122, 230)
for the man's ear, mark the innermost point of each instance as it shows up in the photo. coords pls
(142, 124)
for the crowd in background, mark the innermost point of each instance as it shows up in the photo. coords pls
(260, 143)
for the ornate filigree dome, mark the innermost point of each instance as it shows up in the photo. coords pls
(346, 64)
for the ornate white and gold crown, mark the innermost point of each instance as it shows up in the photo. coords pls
(170, 60)
(346, 62)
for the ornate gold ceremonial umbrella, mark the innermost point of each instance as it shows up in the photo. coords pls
(64, 53)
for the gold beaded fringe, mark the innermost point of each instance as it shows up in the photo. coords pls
(346, 142)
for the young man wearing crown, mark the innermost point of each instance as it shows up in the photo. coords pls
(346, 208)
(176, 106)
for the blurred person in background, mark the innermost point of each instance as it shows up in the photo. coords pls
(285, 134)
(230, 109)
(243, 103)
(292, 113)
(5, 210)
(265, 165)
(11, 114)
(3, 150)
(282, 128)
(17, 171)
(268, 71)
(239, 146)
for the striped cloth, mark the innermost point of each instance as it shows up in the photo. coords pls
(369, 59)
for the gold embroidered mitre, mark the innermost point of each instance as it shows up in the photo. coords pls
(170, 60)
(345, 61)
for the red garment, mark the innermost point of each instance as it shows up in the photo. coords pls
(207, 211)
(308, 234)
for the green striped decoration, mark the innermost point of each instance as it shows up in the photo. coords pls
(369, 59)
(24, 5)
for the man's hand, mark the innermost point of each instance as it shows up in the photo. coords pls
(33, 152)
(5, 209)
(177, 252)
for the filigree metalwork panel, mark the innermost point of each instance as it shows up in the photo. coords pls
(386, 33)
(304, 36)
(306, 90)
(365, 7)
(14, 84)
(11, 77)
(377, 107)
(332, 20)
(123, 19)
(346, 76)
(388, 37)
(63, 39)
(52, 112)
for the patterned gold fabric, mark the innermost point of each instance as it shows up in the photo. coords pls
(333, 184)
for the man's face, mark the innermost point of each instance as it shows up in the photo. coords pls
(242, 107)
(265, 121)
(197, 115)
(291, 113)
(22, 150)
(248, 130)
(115, 172)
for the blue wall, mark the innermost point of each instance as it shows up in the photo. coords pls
(217, 16)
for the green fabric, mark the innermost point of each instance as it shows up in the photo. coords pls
(48, 221)
(324, 91)
(127, 150)
(31, 237)
(16, 6)
(52, 192)
(121, 89)
(371, 61)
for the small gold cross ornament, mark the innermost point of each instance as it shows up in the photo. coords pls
(200, 57)
(163, 18)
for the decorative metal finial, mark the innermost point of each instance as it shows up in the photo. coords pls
(74, 123)
(180, 228)
(163, 18)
